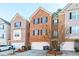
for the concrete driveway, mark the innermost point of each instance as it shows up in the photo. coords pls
(70, 53)
(6, 53)
(32, 53)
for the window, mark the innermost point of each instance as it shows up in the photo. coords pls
(1, 26)
(17, 34)
(77, 15)
(44, 31)
(18, 24)
(55, 21)
(36, 21)
(44, 20)
(2, 36)
(55, 34)
(74, 15)
(36, 32)
(75, 30)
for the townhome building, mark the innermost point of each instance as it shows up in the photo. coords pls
(19, 31)
(40, 29)
(69, 21)
(4, 32)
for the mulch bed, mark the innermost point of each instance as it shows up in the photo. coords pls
(55, 52)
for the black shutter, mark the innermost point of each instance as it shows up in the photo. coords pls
(38, 20)
(33, 32)
(52, 21)
(38, 32)
(15, 24)
(70, 15)
(46, 19)
(34, 21)
(70, 30)
(41, 19)
(20, 24)
(41, 32)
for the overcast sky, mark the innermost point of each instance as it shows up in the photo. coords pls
(7, 11)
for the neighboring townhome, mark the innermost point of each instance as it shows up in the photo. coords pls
(19, 31)
(40, 29)
(69, 19)
(4, 32)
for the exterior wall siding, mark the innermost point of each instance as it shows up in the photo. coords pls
(48, 26)
(24, 30)
(6, 33)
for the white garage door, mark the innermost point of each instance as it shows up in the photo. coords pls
(67, 46)
(17, 45)
(38, 45)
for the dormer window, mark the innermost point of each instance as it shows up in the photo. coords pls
(18, 24)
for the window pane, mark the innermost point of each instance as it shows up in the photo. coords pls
(1, 26)
(55, 21)
(36, 21)
(2, 36)
(18, 24)
(73, 15)
(75, 30)
(44, 20)
(44, 31)
(36, 32)
(55, 33)
(17, 34)
(77, 15)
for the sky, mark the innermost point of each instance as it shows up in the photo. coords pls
(8, 10)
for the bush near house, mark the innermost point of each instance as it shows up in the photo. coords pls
(29, 47)
(55, 51)
(24, 48)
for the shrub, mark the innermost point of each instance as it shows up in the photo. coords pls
(58, 49)
(29, 47)
(24, 48)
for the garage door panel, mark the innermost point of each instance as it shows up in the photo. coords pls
(67, 46)
(39, 45)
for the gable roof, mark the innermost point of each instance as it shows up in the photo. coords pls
(67, 6)
(17, 14)
(41, 9)
(5, 21)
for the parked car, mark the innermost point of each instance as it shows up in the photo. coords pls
(6, 47)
